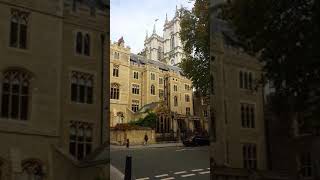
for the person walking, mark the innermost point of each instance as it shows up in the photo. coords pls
(127, 144)
(145, 139)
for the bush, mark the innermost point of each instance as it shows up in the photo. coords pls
(148, 121)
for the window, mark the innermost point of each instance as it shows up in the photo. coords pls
(249, 154)
(172, 42)
(135, 105)
(187, 87)
(136, 75)
(19, 29)
(175, 101)
(83, 43)
(205, 113)
(114, 91)
(80, 140)
(188, 111)
(161, 93)
(135, 89)
(153, 76)
(153, 90)
(159, 53)
(306, 165)
(187, 98)
(247, 115)
(82, 87)
(32, 169)
(160, 80)
(15, 95)
(116, 55)
(115, 72)
(246, 80)
(175, 88)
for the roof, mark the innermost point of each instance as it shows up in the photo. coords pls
(150, 106)
(142, 60)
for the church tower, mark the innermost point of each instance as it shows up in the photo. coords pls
(173, 51)
(154, 46)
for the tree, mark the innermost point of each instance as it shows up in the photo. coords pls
(148, 121)
(285, 37)
(194, 35)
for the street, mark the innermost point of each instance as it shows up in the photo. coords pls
(191, 163)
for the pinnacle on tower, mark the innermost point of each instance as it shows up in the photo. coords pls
(177, 13)
(146, 34)
(154, 28)
(166, 19)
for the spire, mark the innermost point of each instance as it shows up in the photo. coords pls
(154, 28)
(146, 34)
(166, 19)
(177, 13)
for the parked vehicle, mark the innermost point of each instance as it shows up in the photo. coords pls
(196, 140)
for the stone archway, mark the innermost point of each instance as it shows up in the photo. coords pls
(33, 169)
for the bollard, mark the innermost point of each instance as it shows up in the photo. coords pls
(127, 175)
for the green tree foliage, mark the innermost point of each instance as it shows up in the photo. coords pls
(148, 121)
(194, 35)
(285, 35)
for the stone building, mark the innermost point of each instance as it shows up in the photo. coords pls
(167, 48)
(52, 125)
(138, 83)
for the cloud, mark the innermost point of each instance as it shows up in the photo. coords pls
(132, 18)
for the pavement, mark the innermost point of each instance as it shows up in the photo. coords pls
(159, 145)
(164, 162)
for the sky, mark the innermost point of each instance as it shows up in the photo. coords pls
(132, 18)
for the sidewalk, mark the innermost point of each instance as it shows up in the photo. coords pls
(159, 145)
(115, 174)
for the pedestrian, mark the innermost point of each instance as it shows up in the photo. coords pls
(145, 139)
(127, 144)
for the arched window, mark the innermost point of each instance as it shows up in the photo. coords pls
(81, 87)
(23, 32)
(15, 95)
(241, 79)
(81, 136)
(33, 170)
(87, 45)
(114, 91)
(250, 80)
(79, 43)
(172, 42)
(246, 80)
(187, 98)
(14, 31)
(175, 101)
(153, 90)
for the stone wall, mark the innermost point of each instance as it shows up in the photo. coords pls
(136, 136)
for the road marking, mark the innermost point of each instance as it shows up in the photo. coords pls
(143, 178)
(188, 175)
(196, 170)
(161, 175)
(181, 172)
(169, 178)
(180, 150)
(204, 172)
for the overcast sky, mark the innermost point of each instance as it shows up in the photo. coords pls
(132, 18)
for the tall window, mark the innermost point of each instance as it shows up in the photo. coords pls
(153, 90)
(175, 101)
(115, 91)
(15, 95)
(32, 169)
(187, 87)
(153, 76)
(159, 53)
(246, 80)
(83, 43)
(135, 89)
(135, 105)
(136, 75)
(19, 29)
(205, 113)
(247, 115)
(80, 140)
(188, 111)
(161, 93)
(172, 42)
(160, 80)
(249, 154)
(306, 166)
(187, 98)
(82, 87)
(116, 55)
(115, 72)
(175, 87)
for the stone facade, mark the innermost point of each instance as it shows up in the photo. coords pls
(128, 71)
(39, 64)
(237, 123)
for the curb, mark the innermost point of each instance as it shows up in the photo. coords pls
(115, 174)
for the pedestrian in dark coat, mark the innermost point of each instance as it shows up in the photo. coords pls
(127, 144)
(145, 139)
